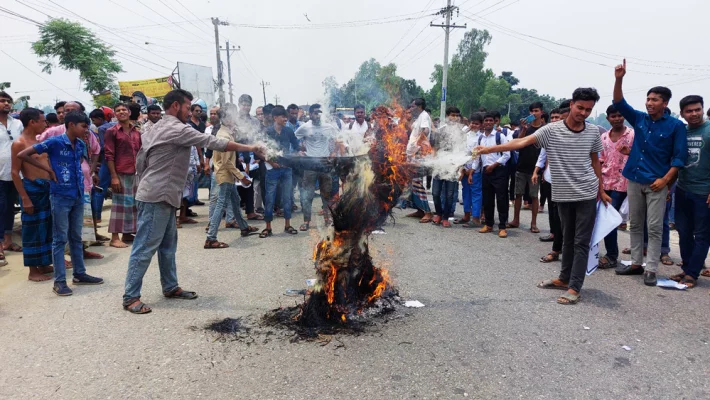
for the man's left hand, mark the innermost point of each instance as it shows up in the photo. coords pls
(659, 184)
(605, 198)
(95, 179)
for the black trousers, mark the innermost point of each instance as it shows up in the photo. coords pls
(553, 217)
(247, 196)
(577, 224)
(495, 193)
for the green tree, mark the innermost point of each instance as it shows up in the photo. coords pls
(73, 47)
(508, 77)
(4, 85)
(495, 94)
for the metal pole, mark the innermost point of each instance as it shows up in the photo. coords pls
(229, 73)
(220, 79)
(446, 62)
(263, 88)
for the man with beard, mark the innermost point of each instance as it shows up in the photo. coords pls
(155, 113)
(162, 166)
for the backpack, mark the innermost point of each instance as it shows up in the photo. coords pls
(509, 164)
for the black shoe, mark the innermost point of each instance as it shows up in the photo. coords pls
(61, 289)
(87, 279)
(649, 278)
(627, 270)
(199, 203)
(548, 238)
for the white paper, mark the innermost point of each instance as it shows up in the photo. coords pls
(607, 220)
(240, 184)
(667, 283)
(624, 209)
(628, 263)
(547, 176)
(413, 303)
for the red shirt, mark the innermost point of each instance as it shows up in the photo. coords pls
(122, 148)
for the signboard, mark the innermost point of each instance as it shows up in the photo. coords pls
(157, 87)
(198, 80)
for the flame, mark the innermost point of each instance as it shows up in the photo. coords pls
(384, 282)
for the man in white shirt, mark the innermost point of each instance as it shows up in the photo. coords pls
(417, 147)
(10, 130)
(359, 126)
(495, 177)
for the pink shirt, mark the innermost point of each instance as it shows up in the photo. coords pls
(93, 147)
(613, 162)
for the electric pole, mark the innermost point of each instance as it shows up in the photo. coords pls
(230, 51)
(276, 100)
(447, 28)
(263, 88)
(220, 79)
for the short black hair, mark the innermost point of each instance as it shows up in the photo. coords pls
(135, 110)
(565, 104)
(52, 118)
(692, 99)
(121, 105)
(154, 107)
(452, 110)
(555, 111)
(267, 109)
(5, 95)
(496, 115)
(244, 99)
(489, 114)
(514, 123)
(662, 91)
(359, 107)
(536, 104)
(192, 107)
(611, 110)
(81, 106)
(477, 116)
(279, 111)
(59, 105)
(313, 107)
(97, 113)
(420, 102)
(291, 107)
(179, 96)
(75, 117)
(545, 117)
(585, 94)
(28, 114)
(564, 110)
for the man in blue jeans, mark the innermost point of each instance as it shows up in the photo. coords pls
(66, 195)
(692, 196)
(445, 186)
(161, 165)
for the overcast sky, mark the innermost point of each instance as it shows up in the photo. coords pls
(664, 45)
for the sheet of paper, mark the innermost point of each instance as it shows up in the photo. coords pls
(628, 263)
(667, 283)
(607, 220)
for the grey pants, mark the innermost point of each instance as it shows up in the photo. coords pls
(577, 220)
(646, 205)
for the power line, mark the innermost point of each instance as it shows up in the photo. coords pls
(332, 25)
(193, 14)
(406, 32)
(10, 12)
(38, 75)
(409, 44)
(183, 18)
(163, 17)
(248, 64)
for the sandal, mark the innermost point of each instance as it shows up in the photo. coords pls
(305, 226)
(550, 257)
(425, 220)
(231, 225)
(469, 224)
(534, 229)
(510, 226)
(266, 233)
(191, 213)
(214, 244)
(14, 247)
(436, 220)
(706, 273)
(180, 294)
(461, 221)
(689, 281)
(249, 231)
(137, 307)
(626, 251)
(548, 238)
(256, 217)
(550, 284)
(666, 259)
(188, 221)
(90, 255)
(416, 214)
(605, 263)
(568, 299)
(291, 230)
(446, 223)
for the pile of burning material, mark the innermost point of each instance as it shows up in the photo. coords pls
(350, 288)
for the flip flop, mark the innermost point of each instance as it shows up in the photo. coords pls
(425, 220)
(266, 233)
(258, 217)
(534, 230)
(706, 273)
(568, 299)
(188, 221)
(461, 221)
(213, 244)
(509, 226)
(249, 231)
(666, 259)
(553, 257)
(14, 247)
(550, 284)
(304, 227)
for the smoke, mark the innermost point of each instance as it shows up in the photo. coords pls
(452, 154)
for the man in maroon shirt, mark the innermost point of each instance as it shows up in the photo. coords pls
(121, 145)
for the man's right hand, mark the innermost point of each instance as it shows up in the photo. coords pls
(245, 181)
(259, 150)
(27, 206)
(470, 179)
(116, 185)
(490, 169)
(620, 70)
(480, 150)
(535, 178)
(52, 175)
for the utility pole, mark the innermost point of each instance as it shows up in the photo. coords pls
(263, 88)
(230, 51)
(276, 100)
(220, 79)
(447, 28)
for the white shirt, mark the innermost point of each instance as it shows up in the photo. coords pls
(358, 129)
(489, 159)
(14, 128)
(423, 122)
(471, 143)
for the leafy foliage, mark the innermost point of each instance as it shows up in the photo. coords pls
(73, 47)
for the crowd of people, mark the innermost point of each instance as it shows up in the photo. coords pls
(61, 167)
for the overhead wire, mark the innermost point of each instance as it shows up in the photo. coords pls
(341, 24)
(38, 75)
(406, 32)
(209, 34)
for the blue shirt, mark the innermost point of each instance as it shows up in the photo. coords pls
(658, 145)
(65, 160)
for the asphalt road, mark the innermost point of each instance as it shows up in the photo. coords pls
(486, 331)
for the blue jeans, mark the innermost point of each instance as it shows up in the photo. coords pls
(214, 196)
(610, 241)
(67, 220)
(472, 195)
(692, 217)
(156, 231)
(444, 193)
(283, 178)
(228, 198)
(97, 198)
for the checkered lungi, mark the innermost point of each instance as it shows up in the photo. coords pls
(419, 198)
(37, 227)
(123, 207)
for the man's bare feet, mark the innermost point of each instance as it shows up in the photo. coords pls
(90, 255)
(127, 237)
(117, 243)
(37, 274)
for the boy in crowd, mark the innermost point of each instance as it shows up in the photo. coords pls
(418, 146)
(572, 148)
(471, 185)
(617, 144)
(33, 188)
(445, 188)
(692, 194)
(66, 194)
(660, 148)
(495, 175)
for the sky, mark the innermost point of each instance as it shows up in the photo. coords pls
(553, 46)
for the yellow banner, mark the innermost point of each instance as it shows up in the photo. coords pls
(158, 87)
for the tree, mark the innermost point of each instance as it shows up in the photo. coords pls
(495, 94)
(74, 47)
(4, 85)
(508, 77)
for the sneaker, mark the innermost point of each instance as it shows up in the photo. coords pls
(61, 289)
(649, 278)
(627, 270)
(87, 279)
